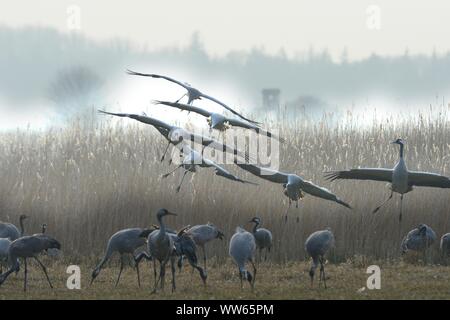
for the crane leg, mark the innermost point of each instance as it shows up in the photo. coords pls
(322, 272)
(25, 274)
(254, 273)
(162, 274)
(45, 271)
(165, 151)
(169, 173)
(204, 257)
(401, 209)
(182, 179)
(120, 271)
(240, 277)
(181, 98)
(172, 266)
(154, 274)
(384, 202)
(137, 273)
(287, 211)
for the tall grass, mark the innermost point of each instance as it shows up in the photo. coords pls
(92, 178)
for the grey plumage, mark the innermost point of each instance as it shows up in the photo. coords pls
(204, 233)
(445, 244)
(317, 245)
(418, 239)
(29, 247)
(218, 121)
(401, 179)
(10, 231)
(125, 241)
(192, 93)
(294, 186)
(161, 247)
(4, 251)
(263, 237)
(242, 250)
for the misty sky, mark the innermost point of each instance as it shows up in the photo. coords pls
(294, 25)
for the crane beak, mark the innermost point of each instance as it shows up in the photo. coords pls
(172, 213)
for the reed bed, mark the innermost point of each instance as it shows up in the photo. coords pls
(94, 176)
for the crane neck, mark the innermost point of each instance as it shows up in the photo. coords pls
(255, 227)
(401, 150)
(22, 229)
(162, 226)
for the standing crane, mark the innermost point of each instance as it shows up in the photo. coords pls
(125, 241)
(445, 245)
(218, 121)
(192, 93)
(401, 179)
(29, 247)
(294, 186)
(204, 233)
(161, 247)
(419, 239)
(317, 245)
(262, 236)
(8, 230)
(242, 250)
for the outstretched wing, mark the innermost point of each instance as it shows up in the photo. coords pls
(242, 124)
(264, 173)
(157, 76)
(144, 119)
(361, 174)
(224, 173)
(320, 192)
(226, 107)
(186, 107)
(425, 179)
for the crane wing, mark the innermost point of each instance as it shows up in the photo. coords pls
(186, 107)
(320, 192)
(361, 174)
(144, 119)
(220, 171)
(227, 107)
(425, 179)
(264, 173)
(157, 76)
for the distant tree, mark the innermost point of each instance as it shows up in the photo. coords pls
(74, 90)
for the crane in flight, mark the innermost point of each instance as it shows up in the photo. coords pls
(401, 179)
(218, 121)
(294, 186)
(175, 135)
(192, 93)
(193, 159)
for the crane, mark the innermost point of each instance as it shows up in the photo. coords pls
(125, 241)
(401, 179)
(242, 250)
(204, 233)
(193, 159)
(218, 121)
(161, 247)
(192, 93)
(262, 236)
(317, 245)
(29, 247)
(294, 186)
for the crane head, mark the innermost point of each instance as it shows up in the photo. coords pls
(256, 220)
(399, 141)
(164, 212)
(23, 217)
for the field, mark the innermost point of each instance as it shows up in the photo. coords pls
(287, 281)
(95, 176)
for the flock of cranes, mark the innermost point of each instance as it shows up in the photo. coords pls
(165, 246)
